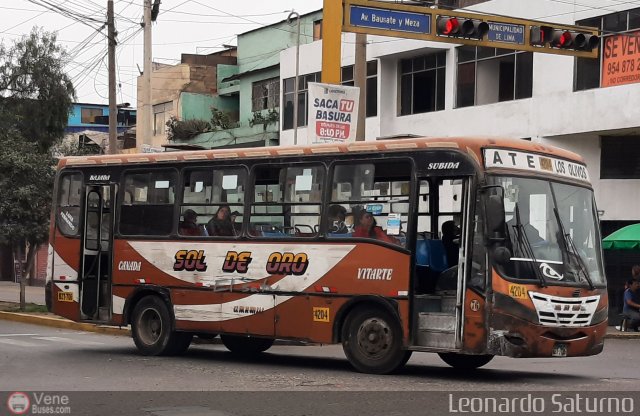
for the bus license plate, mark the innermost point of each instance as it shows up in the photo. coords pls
(65, 296)
(559, 350)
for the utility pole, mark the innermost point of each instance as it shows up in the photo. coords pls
(360, 80)
(294, 15)
(146, 125)
(113, 110)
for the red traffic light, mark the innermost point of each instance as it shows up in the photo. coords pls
(468, 28)
(561, 39)
(448, 26)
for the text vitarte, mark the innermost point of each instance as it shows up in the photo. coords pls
(367, 273)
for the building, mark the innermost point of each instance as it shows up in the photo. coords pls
(88, 124)
(441, 89)
(246, 91)
(186, 91)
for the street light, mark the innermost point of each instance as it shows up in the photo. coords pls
(294, 15)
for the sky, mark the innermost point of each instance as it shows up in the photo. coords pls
(183, 26)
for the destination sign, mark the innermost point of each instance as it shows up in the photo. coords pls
(511, 159)
(390, 19)
(506, 32)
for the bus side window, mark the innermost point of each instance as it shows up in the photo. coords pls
(286, 201)
(380, 188)
(68, 204)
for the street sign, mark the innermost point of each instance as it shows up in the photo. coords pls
(506, 32)
(390, 19)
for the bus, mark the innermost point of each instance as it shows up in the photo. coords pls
(466, 247)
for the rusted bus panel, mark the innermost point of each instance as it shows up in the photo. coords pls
(516, 330)
(197, 310)
(403, 310)
(521, 339)
(474, 337)
(64, 308)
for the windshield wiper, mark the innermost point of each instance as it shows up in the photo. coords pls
(524, 245)
(571, 249)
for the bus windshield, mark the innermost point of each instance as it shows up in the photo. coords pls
(552, 232)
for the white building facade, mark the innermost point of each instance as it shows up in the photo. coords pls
(438, 89)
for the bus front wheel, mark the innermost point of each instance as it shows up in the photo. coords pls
(151, 329)
(372, 341)
(244, 345)
(465, 362)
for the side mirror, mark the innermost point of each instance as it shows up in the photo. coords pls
(494, 211)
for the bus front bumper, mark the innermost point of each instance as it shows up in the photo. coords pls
(515, 337)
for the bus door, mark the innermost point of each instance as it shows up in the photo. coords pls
(97, 242)
(440, 261)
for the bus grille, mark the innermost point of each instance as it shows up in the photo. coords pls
(567, 312)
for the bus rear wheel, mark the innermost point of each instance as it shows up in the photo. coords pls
(151, 329)
(244, 345)
(372, 341)
(463, 361)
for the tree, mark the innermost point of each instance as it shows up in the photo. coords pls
(26, 187)
(36, 96)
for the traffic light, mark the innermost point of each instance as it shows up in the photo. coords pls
(563, 39)
(468, 28)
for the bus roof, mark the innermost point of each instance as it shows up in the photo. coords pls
(470, 145)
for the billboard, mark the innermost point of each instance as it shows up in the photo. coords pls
(333, 113)
(621, 59)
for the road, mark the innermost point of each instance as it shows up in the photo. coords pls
(38, 358)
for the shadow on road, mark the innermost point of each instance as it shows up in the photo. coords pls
(205, 357)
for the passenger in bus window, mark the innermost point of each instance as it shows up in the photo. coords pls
(189, 226)
(220, 224)
(336, 221)
(237, 226)
(366, 227)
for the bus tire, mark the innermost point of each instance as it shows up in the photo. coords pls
(464, 361)
(151, 329)
(372, 341)
(243, 345)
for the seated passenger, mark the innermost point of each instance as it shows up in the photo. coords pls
(220, 224)
(451, 241)
(337, 215)
(237, 227)
(366, 228)
(189, 226)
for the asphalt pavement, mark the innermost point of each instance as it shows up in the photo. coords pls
(10, 292)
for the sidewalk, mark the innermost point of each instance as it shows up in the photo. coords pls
(10, 292)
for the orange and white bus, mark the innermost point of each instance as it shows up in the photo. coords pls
(337, 243)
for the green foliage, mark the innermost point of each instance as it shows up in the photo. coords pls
(270, 117)
(26, 186)
(36, 95)
(186, 129)
(220, 120)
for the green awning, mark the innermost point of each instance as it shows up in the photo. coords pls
(626, 238)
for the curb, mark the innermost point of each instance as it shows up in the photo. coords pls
(63, 323)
